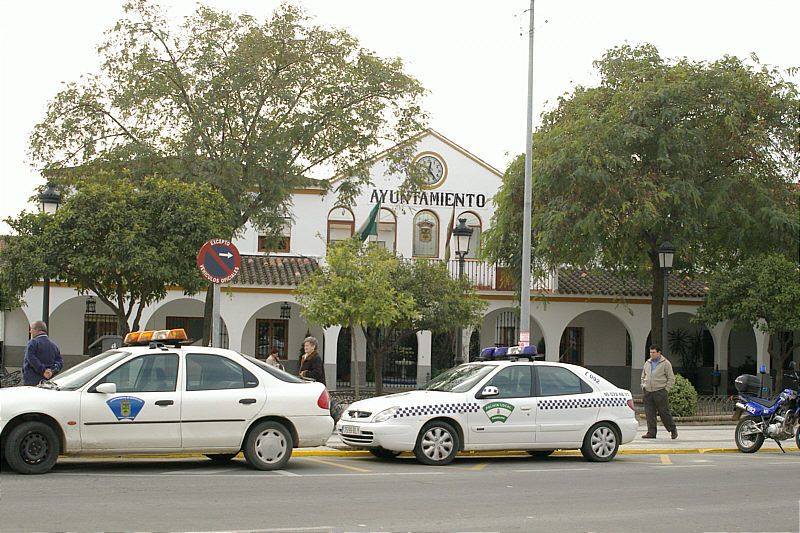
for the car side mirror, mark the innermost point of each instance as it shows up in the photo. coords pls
(106, 388)
(488, 391)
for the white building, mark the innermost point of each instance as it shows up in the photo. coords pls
(584, 316)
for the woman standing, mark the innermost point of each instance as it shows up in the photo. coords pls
(311, 364)
(274, 359)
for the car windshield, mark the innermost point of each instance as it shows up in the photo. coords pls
(275, 371)
(459, 379)
(77, 376)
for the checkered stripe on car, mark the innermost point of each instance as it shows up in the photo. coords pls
(437, 409)
(582, 403)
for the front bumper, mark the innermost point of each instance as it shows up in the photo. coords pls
(390, 436)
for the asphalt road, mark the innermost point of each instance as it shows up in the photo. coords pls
(639, 492)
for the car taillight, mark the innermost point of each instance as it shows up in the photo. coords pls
(630, 404)
(324, 400)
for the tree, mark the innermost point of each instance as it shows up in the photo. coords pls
(366, 286)
(126, 244)
(354, 289)
(441, 303)
(763, 292)
(700, 154)
(251, 107)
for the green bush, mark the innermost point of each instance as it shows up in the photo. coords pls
(682, 397)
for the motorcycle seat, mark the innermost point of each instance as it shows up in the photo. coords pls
(761, 401)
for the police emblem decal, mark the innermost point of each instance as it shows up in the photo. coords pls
(125, 407)
(503, 411)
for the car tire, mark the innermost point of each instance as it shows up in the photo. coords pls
(437, 444)
(32, 448)
(383, 453)
(601, 443)
(540, 454)
(221, 458)
(797, 438)
(747, 436)
(268, 446)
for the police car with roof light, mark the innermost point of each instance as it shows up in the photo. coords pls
(508, 400)
(158, 395)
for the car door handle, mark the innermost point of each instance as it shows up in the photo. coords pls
(247, 400)
(164, 402)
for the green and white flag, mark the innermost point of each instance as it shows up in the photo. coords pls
(370, 226)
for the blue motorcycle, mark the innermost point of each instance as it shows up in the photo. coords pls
(777, 419)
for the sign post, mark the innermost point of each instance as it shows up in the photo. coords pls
(219, 262)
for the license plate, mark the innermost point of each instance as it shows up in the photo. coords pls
(351, 430)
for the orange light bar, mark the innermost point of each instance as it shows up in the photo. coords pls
(155, 335)
(132, 337)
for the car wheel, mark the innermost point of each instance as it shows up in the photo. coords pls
(437, 444)
(748, 436)
(540, 453)
(221, 458)
(268, 446)
(32, 448)
(383, 453)
(600, 443)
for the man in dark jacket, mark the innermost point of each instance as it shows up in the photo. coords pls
(42, 356)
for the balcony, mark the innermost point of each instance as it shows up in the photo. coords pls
(490, 277)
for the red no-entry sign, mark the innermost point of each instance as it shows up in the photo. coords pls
(218, 261)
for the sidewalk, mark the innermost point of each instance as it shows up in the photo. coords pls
(691, 439)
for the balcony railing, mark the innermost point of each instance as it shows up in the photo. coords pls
(490, 277)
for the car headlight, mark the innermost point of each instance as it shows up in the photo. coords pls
(385, 415)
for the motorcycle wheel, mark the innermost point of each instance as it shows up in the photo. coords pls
(748, 437)
(797, 438)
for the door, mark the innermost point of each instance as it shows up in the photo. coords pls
(509, 418)
(144, 413)
(221, 399)
(566, 406)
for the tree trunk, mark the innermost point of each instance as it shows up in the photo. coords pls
(657, 336)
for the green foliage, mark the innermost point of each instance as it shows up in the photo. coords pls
(702, 154)
(682, 397)
(251, 107)
(763, 292)
(126, 244)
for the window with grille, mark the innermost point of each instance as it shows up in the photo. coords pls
(97, 325)
(506, 329)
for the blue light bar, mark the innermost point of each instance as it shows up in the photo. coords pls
(487, 352)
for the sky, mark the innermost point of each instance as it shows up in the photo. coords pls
(471, 56)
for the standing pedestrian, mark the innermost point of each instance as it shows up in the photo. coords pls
(273, 359)
(657, 379)
(311, 364)
(42, 356)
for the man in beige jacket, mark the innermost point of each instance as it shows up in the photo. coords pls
(657, 379)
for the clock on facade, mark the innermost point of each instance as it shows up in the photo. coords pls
(433, 167)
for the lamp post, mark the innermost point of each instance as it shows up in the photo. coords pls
(49, 200)
(665, 254)
(462, 234)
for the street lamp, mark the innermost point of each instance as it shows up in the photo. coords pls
(286, 310)
(91, 305)
(665, 254)
(49, 200)
(462, 234)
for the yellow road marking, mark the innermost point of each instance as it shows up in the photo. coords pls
(331, 463)
(665, 460)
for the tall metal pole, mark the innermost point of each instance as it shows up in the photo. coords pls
(525, 292)
(216, 322)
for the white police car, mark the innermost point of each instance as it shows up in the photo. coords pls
(508, 401)
(162, 397)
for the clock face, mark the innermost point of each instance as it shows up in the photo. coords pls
(433, 169)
